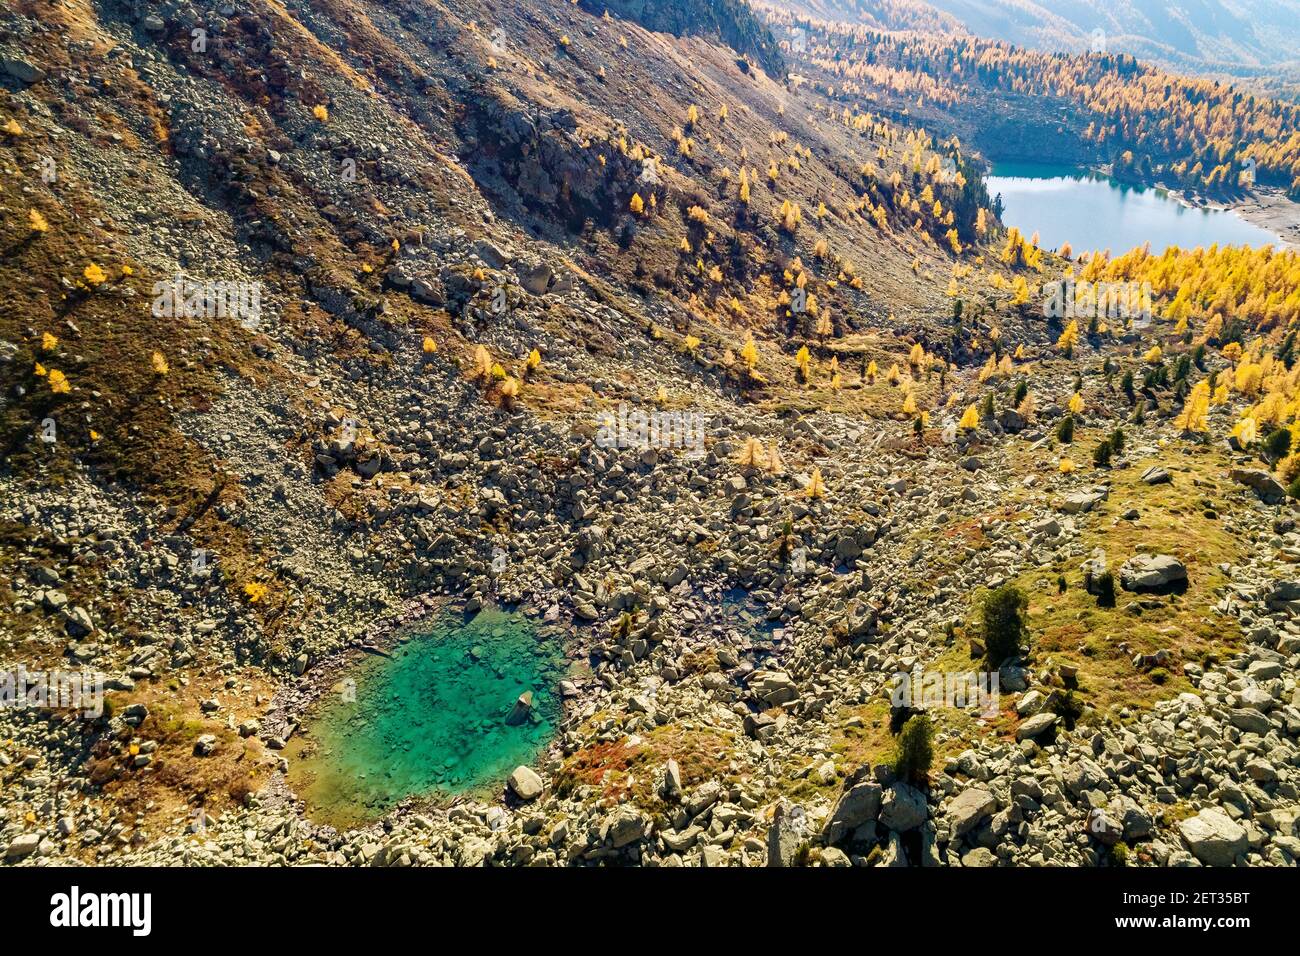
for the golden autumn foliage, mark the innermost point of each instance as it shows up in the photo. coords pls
(802, 359)
(1069, 337)
(482, 363)
(816, 488)
(1026, 408)
(509, 391)
(1248, 378)
(1194, 416)
(1200, 128)
(775, 464)
(752, 454)
(789, 216)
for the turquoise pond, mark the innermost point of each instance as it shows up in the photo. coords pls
(431, 720)
(1064, 204)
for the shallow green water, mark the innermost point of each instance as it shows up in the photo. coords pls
(1064, 204)
(432, 719)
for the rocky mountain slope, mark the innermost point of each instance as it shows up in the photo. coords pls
(209, 509)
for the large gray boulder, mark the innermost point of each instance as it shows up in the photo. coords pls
(785, 835)
(525, 784)
(1261, 482)
(1152, 572)
(969, 808)
(772, 688)
(1284, 595)
(1213, 837)
(24, 844)
(626, 826)
(903, 808)
(21, 69)
(1037, 725)
(855, 807)
(1078, 502)
(535, 279)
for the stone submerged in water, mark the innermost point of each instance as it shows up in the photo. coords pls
(522, 709)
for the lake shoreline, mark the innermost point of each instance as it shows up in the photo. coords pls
(1107, 213)
(1271, 209)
